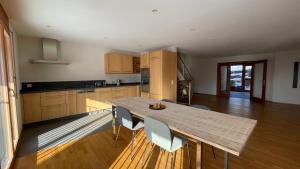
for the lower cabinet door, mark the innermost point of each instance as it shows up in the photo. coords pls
(119, 92)
(132, 91)
(102, 97)
(55, 111)
(31, 107)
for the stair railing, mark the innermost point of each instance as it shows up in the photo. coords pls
(183, 69)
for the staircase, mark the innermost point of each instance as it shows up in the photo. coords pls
(184, 82)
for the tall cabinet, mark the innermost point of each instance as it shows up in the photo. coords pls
(163, 75)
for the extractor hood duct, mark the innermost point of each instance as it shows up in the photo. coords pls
(50, 53)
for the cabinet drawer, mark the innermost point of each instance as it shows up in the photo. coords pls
(145, 95)
(58, 93)
(51, 112)
(119, 92)
(53, 100)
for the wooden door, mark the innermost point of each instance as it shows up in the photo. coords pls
(31, 107)
(119, 92)
(71, 102)
(127, 64)
(132, 91)
(102, 97)
(145, 60)
(53, 105)
(259, 76)
(156, 74)
(169, 75)
(91, 102)
(113, 63)
(223, 80)
(81, 103)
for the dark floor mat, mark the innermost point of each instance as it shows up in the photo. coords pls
(51, 133)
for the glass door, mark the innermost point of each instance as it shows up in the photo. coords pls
(236, 78)
(248, 78)
(259, 81)
(7, 138)
(223, 88)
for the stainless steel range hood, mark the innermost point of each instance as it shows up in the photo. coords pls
(50, 53)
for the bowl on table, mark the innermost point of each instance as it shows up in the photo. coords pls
(157, 106)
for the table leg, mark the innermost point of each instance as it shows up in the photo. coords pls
(225, 160)
(114, 121)
(199, 155)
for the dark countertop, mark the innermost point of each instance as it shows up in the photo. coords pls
(58, 88)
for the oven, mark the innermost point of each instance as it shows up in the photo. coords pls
(145, 74)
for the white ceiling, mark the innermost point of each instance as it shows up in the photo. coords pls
(196, 27)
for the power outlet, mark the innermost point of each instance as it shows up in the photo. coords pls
(29, 85)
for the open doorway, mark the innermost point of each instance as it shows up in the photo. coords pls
(244, 80)
(240, 81)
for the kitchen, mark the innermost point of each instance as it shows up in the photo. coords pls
(121, 73)
(113, 84)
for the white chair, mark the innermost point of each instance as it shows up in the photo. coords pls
(160, 134)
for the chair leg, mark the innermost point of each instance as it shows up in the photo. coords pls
(172, 161)
(188, 151)
(132, 144)
(213, 150)
(117, 134)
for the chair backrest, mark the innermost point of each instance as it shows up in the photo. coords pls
(158, 132)
(167, 100)
(124, 117)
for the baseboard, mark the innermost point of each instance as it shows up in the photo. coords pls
(205, 94)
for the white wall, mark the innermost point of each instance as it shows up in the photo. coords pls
(283, 78)
(279, 74)
(87, 63)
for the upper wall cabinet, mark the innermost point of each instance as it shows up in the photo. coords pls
(116, 63)
(145, 62)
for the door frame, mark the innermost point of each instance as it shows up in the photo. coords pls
(244, 63)
(263, 95)
(6, 100)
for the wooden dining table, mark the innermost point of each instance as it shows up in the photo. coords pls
(226, 132)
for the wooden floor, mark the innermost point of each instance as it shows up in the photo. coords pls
(274, 144)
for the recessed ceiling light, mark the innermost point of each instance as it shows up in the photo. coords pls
(154, 10)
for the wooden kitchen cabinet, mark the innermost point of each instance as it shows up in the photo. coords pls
(156, 74)
(163, 75)
(133, 91)
(91, 102)
(145, 60)
(145, 95)
(127, 64)
(119, 92)
(103, 96)
(72, 103)
(81, 106)
(50, 105)
(31, 107)
(116, 63)
(54, 105)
